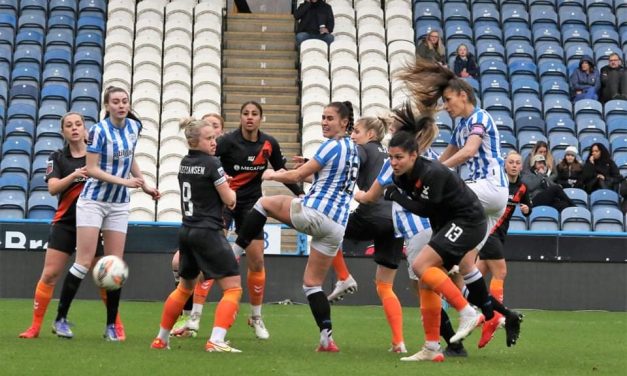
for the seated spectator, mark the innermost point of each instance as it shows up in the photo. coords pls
(568, 171)
(465, 63)
(540, 148)
(584, 81)
(431, 47)
(613, 80)
(542, 190)
(315, 21)
(600, 171)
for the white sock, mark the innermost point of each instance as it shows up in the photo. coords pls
(186, 312)
(325, 337)
(432, 345)
(197, 309)
(468, 311)
(164, 334)
(217, 334)
(255, 310)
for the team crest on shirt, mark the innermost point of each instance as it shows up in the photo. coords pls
(49, 166)
(133, 137)
(220, 171)
(90, 136)
(425, 193)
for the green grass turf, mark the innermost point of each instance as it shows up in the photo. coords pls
(552, 343)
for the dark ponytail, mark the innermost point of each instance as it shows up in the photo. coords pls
(422, 127)
(404, 140)
(345, 110)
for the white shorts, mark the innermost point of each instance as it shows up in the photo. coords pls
(107, 216)
(493, 199)
(413, 248)
(327, 235)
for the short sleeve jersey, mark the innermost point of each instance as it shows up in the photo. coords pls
(487, 163)
(116, 147)
(372, 156)
(442, 195)
(201, 205)
(518, 194)
(333, 186)
(62, 164)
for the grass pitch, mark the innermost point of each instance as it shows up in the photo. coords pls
(552, 343)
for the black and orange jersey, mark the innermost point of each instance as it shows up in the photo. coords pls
(61, 163)
(518, 194)
(245, 161)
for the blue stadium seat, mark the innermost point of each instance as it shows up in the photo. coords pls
(452, 44)
(600, 16)
(8, 20)
(443, 120)
(546, 33)
(12, 204)
(605, 35)
(62, 21)
(63, 7)
(7, 36)
(544, 218)
(616, 128)
(40, 162)
(24, 93)
(575, 34)
(508, 140)
(590, 124)
(490, 50)
(15, 163)
(88, 109)
(443, 138)
(608, 220)
(58, 92)
(427, 11)
(89, 39)
(494, 83)
(20, 127)
(88, 56)
(46, 145)
(6, 56)
(492, 66)
(551, 51)
(27, 54)
(552, 68)
(578, 196)
(588, 106)
(497, 102)
(604, 198)
(557, 103)
(530, 123)
(518, 222)
(587, 140)
(424, 27)
(526, 104)
(22, 111)
(57, 74)
(28, 36)
(576, 219)
(488, 32)
(57, 55)
(504, 122)
(52, 109)
(94, 24)
(542, 14)
(602, 51)
(38, 182)
(525, 84)
(560, 123)
(574, 53)
(92, 7)
(621, 162)
(554, 85)
(571, 15)
(561, 140)
(528, 139)
(455, 11)
(523, 68)
(33, 4)
(8, 5)
(48, 127)
(519, 49)
(86, 91)
(41, 205)
(514, 13)
(60, 37)
(17, 145)
(517, 31)
(615, 108)
(457, 30)
(87, 73)
(33, 19)
(14, 180)
(26, 72)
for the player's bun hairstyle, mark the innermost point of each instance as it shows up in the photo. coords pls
(377, 124)
(241, 109)
(404, 140)
(191, 127)
(345, 110)
(427, 80)
(214, 115)
(423, 127)
(114, 89)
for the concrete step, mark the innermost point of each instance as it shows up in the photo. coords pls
(260, 44)
(232, 97)
(260, 16)
(247, 62)
(260, 81)
(259, 72)
(270, 116)
(260, 25)
(282, 55)
(257, 36)
(267, 108)
(233, 123)
(259, 89)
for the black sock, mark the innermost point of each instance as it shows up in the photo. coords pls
(113, 302)
(68, 292)
(446, 329)
(189, 304)
(498, 306)
(478, 296)
(321, 310)
(253, 225)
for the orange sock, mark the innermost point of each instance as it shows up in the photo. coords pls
(256, 284)
(392, 309)
(43, 294)
(339, 265)
(173, 306)
(103, 296)
(496, 289)
(202, 290)
(430, 307)
(439, 282)
(227, 308)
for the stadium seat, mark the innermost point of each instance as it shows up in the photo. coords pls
(557, 104)
(58, 74)
(86, 91)
(33, 18)
(489, 51)
(19, 127)
(621, 161)
(616, 128)
(46, 145)
(504, 122)
(493, 67)
(544, 218)
(15, 163)
(12, 204)
(526, 105)
(518, 222)
(576, 219)
(57, 92)
(519, 50)
(427, 11)
(517, 32)
(52, 109)
(93, 24)
(55, 55)
(514, 13)
(494, 83)
(560, 140)
(524, 84)
(8, 20)
(578, 196)
(508, 140)
(590, 124)
(586, 142)
(574, 54)
(96, 8)
(14, 180)
(458, 31)
(542, 14)
(28, 36)
(38, 182)
(554, 85)
(530, 123)
(546, 33)
(528, 139)
(551, 69)
(608, 220)
(41, 205)
(62, 7)
(488, 32)
(618, 144)
(571, 15)
(22, 111)
(62, 21)
(7, 38)
(604, 198)
(87, 73)
(24, 93)
(497, 102)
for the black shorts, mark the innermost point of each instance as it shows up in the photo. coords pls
(493, 249)
(238, 215)
(207, 251)
(456, 238)
(62, 237)
(388, 250)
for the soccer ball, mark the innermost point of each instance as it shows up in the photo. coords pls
(110, 273)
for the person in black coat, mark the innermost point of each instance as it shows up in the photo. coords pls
(465, 63)
(600, 171)
(569, 170)
(315, 21)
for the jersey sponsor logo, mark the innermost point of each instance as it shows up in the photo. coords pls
(124, 153)
(251, 158)
(220, 171)
(248, 168)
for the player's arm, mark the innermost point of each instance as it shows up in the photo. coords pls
(56, 183)
(227, 195)
(137, 173)
(278, 163)
(525, 204)
(469, 150)
(371, 196)
(296, 176)
(448, 152)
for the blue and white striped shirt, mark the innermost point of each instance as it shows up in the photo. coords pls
(487, 163)
(116, 147)
(333, 186)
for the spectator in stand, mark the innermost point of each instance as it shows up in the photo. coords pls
(569, 170)
(584, 81)
(613, 80)
(315, 21)
(431, 47)
(600, 171)
(465, 63)
(540, 148)
(542, 190)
